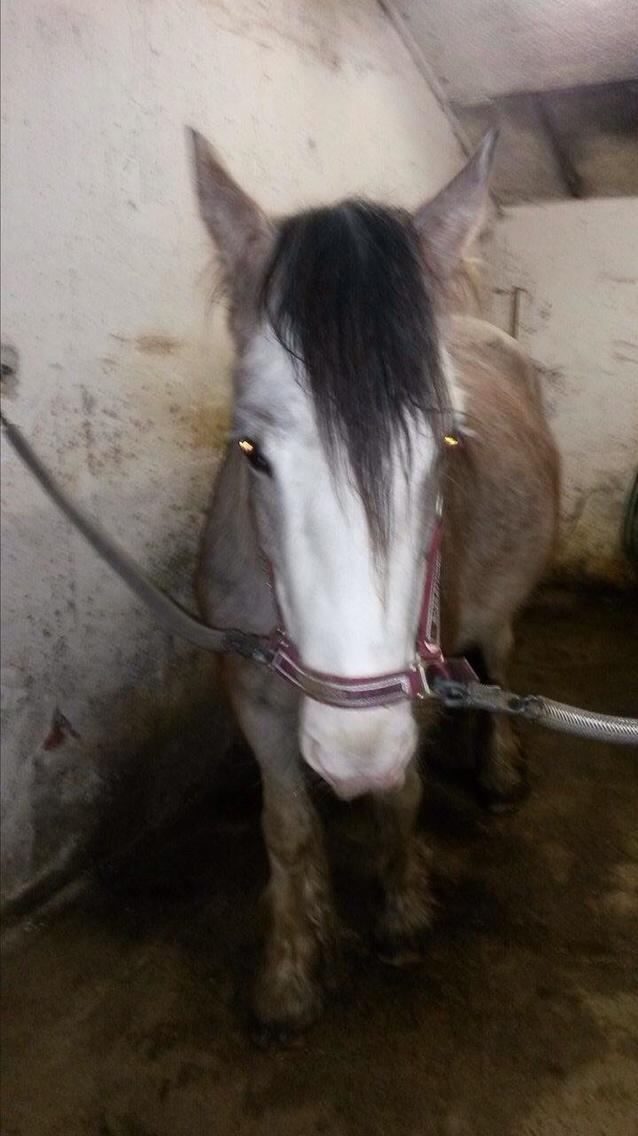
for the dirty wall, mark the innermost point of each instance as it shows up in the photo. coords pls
(123, 382)
(576, 263)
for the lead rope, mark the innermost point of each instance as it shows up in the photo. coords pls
(537, 709)
(176, 620)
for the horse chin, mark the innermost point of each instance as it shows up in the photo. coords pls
(354, 787)
(348, 788)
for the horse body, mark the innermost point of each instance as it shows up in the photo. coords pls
(347, 544)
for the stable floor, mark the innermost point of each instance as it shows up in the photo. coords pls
(125, 1014)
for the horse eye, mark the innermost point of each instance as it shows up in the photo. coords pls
(254, 455)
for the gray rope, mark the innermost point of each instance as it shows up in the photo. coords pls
(586, 723)
(174, 618)
(539, 710)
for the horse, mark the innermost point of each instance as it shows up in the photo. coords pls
(353, 369)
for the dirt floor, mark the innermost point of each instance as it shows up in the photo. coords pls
(125, 1015)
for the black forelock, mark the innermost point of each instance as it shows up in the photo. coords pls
(346, 293)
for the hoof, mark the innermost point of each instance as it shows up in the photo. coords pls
(283, 1027)
(272, 1035)
(402, 932)
(288, 997)
(403, 955)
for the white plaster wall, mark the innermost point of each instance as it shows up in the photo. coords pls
(123, 386)
(578, 264)
(482, 48)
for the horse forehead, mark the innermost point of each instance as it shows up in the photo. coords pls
(273, 396)
(271, 387)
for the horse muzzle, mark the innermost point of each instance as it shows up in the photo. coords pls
(368, 752)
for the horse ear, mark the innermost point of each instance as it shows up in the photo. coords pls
(235, 222)
(449, 223)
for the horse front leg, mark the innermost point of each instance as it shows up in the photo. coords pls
(299, 948)
(501, 766)
(406, 910)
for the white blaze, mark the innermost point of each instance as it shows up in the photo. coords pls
(346, 613)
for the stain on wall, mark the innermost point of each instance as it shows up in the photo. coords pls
(578, 318)
(157, 344)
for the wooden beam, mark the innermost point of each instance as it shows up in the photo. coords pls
(572, 180)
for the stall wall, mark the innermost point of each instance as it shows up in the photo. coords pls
(577, 265)
(123, 382)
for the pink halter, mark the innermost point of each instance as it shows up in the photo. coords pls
(413, 682)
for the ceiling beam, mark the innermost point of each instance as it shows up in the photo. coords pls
(570, 176)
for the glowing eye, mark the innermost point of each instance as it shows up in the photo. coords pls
(257, 460)
(451, 440)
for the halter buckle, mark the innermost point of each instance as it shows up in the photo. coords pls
(425, 690)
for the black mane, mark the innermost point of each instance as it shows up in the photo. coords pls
(346, 294)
